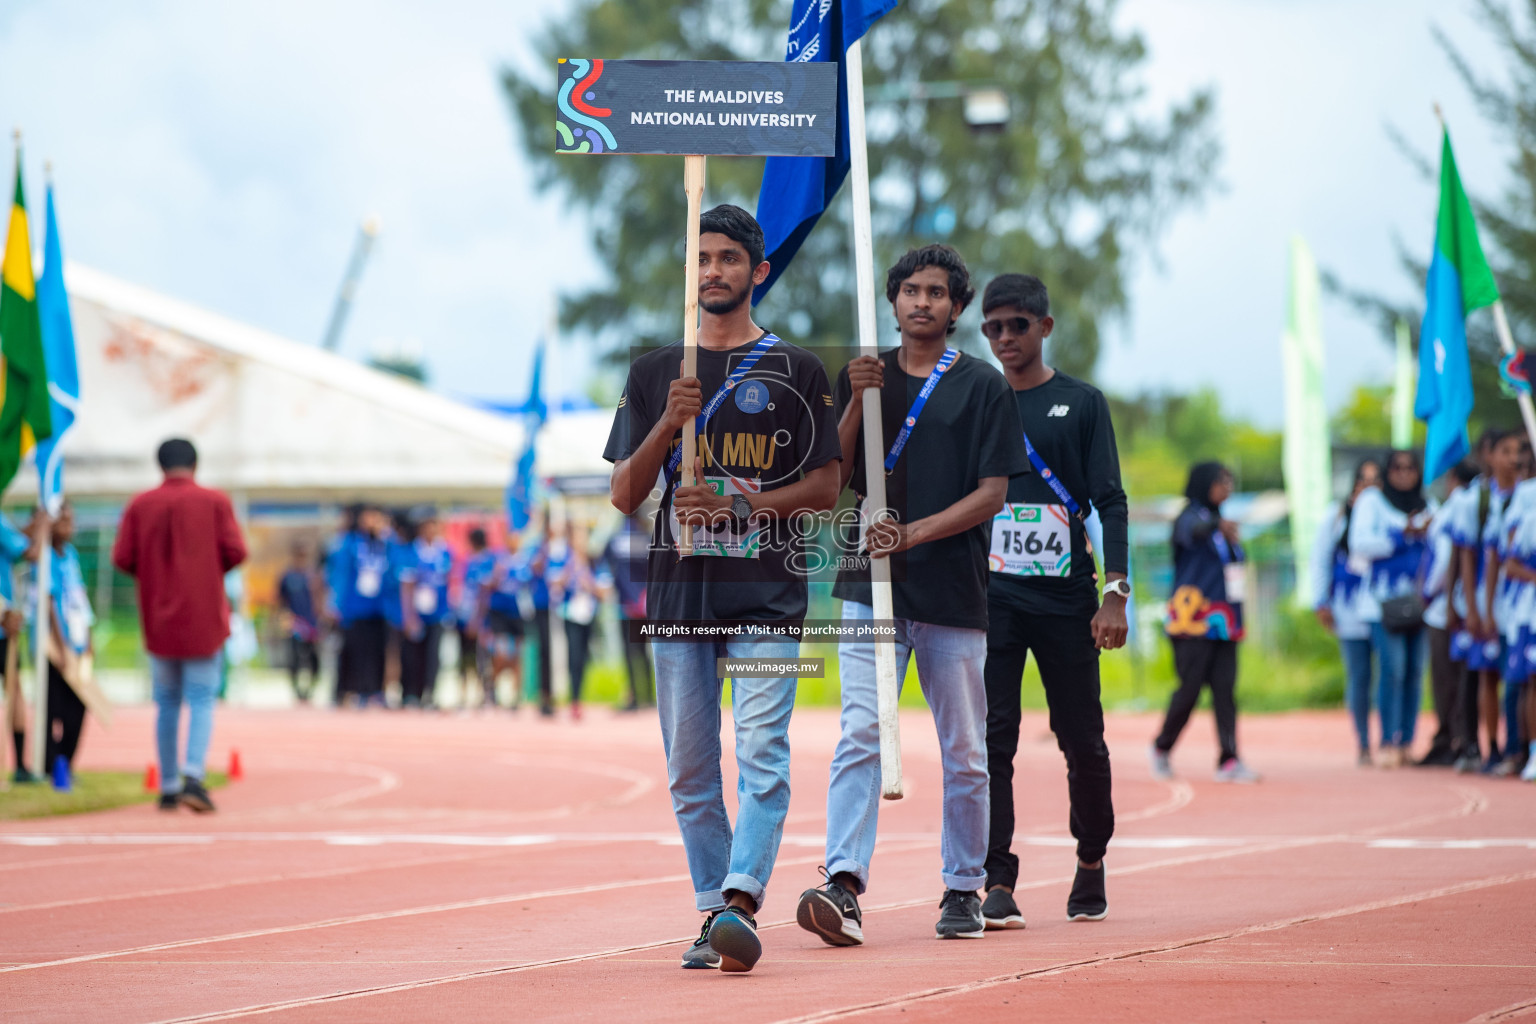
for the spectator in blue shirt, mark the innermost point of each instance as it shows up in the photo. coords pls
(424, 572)
(502, 598)
(582, 588)
(69, 627)
(626, 558)
(360, 573)
(479, 564)
(15, 546)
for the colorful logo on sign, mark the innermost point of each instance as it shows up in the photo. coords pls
(580, 126)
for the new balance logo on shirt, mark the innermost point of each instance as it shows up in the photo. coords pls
(1058, 410)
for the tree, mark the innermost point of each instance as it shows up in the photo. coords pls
(1080, 181)
(1506, 226)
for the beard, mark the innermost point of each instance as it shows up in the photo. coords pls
(719, 305)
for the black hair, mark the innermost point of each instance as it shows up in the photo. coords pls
(1464, 471)
(477, 539)
(739, 226)
(1349, 502)
(1018, 290)
(1202, 477)
(945, 258)
(1488, 438)
(177, 453)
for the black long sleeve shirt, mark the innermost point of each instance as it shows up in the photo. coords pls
(1068, 422)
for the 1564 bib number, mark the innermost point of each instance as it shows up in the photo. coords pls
(1031, 540)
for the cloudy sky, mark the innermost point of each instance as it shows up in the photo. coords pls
(225, 153)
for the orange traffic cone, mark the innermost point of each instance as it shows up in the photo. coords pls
(152, 778)
(236, 773)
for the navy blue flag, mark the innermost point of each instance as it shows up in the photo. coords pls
(798, 189)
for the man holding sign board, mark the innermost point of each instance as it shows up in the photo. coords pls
(952, 437)
(768, 451)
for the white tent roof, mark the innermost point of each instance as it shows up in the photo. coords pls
(272, 418)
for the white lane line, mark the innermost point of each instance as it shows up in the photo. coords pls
(942, 992)
(1524, 1008)
(1179, 795)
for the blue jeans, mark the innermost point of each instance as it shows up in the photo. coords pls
(688, 702)
(1401, 660)
(195, 681)
(949, 668)
(1358, 658)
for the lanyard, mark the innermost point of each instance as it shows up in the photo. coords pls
(745, 367)
(945, 362)
(1052, 479)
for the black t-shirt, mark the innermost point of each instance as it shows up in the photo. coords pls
(968, 430)
(1068, 423)
(775, 426)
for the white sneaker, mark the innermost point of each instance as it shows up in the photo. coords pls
(1233, 770)
(1529, 775)
(1162, 769)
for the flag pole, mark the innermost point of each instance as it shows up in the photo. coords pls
(886, 683)
(40, 637)
(693, 188)
(1507, 343)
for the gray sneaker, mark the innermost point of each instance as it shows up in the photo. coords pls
(831, 912)
(1233, 770)
(960, 916)
(999, 910)
(1162, 770)
(701, 956)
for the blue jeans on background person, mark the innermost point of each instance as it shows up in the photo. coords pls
(688, 694)
(1400, 657)
(949, 667)
(195, 681)
(1358, 659)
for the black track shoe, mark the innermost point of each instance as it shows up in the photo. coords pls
(195, 796)
(999, 910)
(960, 916)
(1088, 902)
(733, 935)
(169, 801)
(831, 912)
(701, 956)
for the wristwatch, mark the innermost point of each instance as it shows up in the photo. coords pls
(741, 509)
(1121, 588)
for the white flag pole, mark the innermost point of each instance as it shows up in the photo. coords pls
(1507, 343)
(693, 188)
(40, 645)
(874, 439)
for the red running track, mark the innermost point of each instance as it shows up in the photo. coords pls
(383, 866)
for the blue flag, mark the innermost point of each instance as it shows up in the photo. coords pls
(520, 494)
(59, 357)
(796, 190)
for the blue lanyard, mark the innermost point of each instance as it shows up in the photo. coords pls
(945, 362)
(1052, 479)
(763, 345)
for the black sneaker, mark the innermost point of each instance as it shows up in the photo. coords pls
(701, 956)
(733, 937)
(1088, 902)
(832, 912)
(195, 796)
(960, 915)
(22, 777)
(169, 801)
(999, 910)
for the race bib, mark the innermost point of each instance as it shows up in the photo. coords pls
(1235, 575)
(77, 621)
(720, 539)
(426, 600)
(1031, 540)
(368, 582)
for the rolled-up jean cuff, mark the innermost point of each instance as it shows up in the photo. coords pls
(965, 883)
(848, 867)
(708, 902)
(747, 884)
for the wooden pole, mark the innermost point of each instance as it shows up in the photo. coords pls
(886, 683)
(693, 188)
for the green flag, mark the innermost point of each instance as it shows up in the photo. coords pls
(24, 409)
(1305, 455)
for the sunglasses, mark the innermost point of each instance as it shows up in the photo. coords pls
(1019, 325)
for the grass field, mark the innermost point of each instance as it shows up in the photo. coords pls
(91, 791)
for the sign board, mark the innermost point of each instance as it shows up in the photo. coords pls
(696, 107)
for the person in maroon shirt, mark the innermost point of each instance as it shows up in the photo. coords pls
(178, 541)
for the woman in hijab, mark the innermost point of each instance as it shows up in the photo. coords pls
(1337, 594)
(1205, 620)
(1387, 546)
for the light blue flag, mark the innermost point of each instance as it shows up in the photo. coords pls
(520, 491)
(59, 356)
